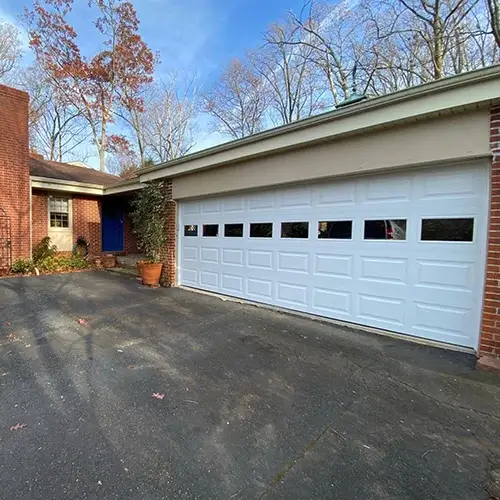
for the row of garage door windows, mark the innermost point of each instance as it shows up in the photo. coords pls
(449, 229)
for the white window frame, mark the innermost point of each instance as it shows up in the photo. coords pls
(70, 214)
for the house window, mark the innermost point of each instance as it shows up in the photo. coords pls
(59, 212)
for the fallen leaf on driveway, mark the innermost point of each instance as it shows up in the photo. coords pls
(82, 321)
(18, 427)
(157, 395)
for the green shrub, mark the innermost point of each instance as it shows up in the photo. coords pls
(62, 263)
(149, 216)
(23, 266)
(43, 250)
(53, 264)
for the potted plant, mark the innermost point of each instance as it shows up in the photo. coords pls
(149, 216)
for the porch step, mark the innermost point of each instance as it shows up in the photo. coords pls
(126, 271)
(128, 261)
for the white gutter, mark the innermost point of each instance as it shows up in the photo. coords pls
(83, 187)
(124, 187)
(447, 96)
(66, 186)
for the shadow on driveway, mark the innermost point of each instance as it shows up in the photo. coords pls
(257, 404)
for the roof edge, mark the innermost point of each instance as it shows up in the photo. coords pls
(50, 184)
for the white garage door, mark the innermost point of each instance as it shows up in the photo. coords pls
(402, 252)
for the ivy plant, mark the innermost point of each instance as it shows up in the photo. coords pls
(149, 216)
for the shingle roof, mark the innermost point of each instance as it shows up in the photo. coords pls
(67, 172)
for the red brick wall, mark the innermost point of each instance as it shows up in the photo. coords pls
(489, 344)
(169, 277)
(39, 216)
(86, 219)
(87, 222)
(14, 169)
(130, 237)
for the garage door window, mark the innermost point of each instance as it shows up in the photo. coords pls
(233, 230)
(191, 230)
(295, 229)
(447, 229)
(385, 229)
(336, 230)
(261, 230)
(211, 230)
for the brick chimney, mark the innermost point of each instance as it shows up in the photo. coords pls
(14, 176)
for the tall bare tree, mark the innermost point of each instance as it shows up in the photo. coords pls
(337, 37)
(291, 80)
(10, 47)
(169, 119)
(57, 128)
(494, 13)
(434, 25)
(237, 102)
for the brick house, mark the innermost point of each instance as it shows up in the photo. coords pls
(42, 198)
(384, 214)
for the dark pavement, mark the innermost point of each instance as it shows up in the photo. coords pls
(257, 404)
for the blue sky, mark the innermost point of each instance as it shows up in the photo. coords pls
(192, 36)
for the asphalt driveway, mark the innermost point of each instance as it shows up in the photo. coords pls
(257, 404)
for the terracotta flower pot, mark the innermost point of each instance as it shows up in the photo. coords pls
(140, 265)
(151, 273)
(109, 261)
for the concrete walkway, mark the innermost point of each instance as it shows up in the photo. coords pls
(256, 404)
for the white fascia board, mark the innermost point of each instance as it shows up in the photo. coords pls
(65, 186)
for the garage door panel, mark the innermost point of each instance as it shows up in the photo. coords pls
(190, 277)
(431, 289)
(209, 255)
(232, 284)
(260, 259)
(454, 276)
(331, 302)
(441, 321)
(293, 262)
(292, 294)
(387, 310)
(260, 289)
(233, 205)
(191, 253)
(333, 266)
(260, 202)
(209, 279)
(386, 190)
(448, 185)
(294, 198)
(233, 257)
(384, 270)
(335, 196)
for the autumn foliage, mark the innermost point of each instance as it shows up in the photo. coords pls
(99, 84)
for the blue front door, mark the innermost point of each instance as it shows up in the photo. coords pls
(112, 227)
